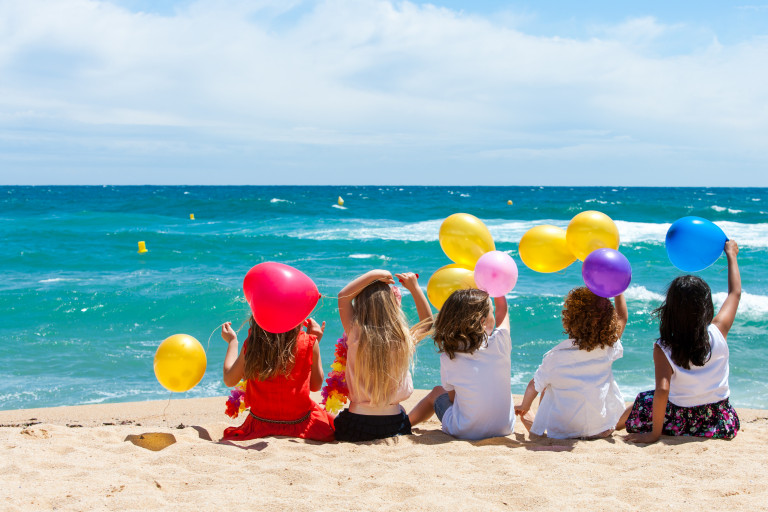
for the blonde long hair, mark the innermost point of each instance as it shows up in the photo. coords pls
(385, 343)
(268, 354)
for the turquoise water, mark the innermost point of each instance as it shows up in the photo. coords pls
(83, 312)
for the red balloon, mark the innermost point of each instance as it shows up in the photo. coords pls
(280, 296)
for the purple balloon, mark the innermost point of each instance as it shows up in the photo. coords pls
(496, 273)
(606, 272)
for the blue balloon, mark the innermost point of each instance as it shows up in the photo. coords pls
(606, 272)
(694, 243)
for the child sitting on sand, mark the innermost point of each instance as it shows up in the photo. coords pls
(379, 355)
(281, 370)
(691, 362)
(579, 398)
(475, 400)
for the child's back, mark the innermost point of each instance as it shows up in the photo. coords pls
(580, 397)
(475, 399)
(279, 402)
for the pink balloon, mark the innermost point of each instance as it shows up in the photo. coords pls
(280, 296)
(496, 273)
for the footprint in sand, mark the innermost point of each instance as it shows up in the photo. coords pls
(36, 433)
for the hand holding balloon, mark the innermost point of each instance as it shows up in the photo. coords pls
(314, 328)
(228, 334)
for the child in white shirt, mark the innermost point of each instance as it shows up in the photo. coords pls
(579, 398)
(475, 399)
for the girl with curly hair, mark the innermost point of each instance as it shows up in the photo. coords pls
(475, 399)
(579, 397)
(691, 364)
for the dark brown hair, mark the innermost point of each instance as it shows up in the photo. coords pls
(460, 324)
(590, 320)
(268, 354)
(684, 317)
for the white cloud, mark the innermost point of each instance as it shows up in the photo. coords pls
(376, 74)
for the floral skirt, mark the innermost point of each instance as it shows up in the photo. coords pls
(717, 420)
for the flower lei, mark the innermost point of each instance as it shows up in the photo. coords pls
(335, 391)
(236, 401)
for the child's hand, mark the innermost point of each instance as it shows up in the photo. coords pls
(228, 333)
(314, 328)
(409, 280)
(731, 248)
(382, 275)
(520, 410)
(647, 438)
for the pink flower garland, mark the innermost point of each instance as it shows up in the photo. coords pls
(335, 392)
(236, 401)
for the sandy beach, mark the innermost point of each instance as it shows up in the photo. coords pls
(165, 455)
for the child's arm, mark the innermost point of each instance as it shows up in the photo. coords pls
(724, 319)
(352, 289)
(530, 394)
(411, 283)
(317, 375)
(621, 311)
(660, 398)
(502, 312)
(234, 363)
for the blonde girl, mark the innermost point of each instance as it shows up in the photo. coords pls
(379, 355)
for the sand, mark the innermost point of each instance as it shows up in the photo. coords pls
(167, 456)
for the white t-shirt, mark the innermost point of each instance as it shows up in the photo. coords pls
(701, 385)
(581, 398)
(482, 381)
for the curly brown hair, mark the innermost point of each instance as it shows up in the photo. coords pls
(590, 320)
(460, 324)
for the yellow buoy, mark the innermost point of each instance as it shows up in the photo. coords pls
(191, 216)
(142, 247)
(509, 202)
(340, 201)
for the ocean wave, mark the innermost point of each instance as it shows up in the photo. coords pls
(503, 231)
(338, 206)
(724, 209)
(642, 294)
(752, 307)
(367, 256)
(278, 200)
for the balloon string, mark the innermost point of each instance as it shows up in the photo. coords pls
(166, 406)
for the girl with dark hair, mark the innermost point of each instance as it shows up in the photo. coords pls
(691, 362)
(475, 398)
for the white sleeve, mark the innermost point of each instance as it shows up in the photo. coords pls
(444, 375)
(543, 376)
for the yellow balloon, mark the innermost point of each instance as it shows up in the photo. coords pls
(589, 231)
(180, 363)
(464, 238)
(447, 280)
(543, 249)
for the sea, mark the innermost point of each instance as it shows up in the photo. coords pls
(82, 312)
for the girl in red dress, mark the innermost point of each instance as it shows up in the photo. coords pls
(281, 370)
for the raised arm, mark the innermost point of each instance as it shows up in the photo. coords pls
(350, 291)
(501, 313)
(724, 319)
(411, 283)
(317, 375)
(620, 304)
(234, 362)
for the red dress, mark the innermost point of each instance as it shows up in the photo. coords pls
(281, 406)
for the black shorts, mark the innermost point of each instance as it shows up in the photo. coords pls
(353, 427)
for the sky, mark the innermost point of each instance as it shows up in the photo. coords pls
(328, 92)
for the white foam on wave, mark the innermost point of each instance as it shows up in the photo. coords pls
(642, 294)
(750, 307)
(367, 256)
(724, 209)
(339, 206)
(505, 231)
(278, 200)
(58, 280)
